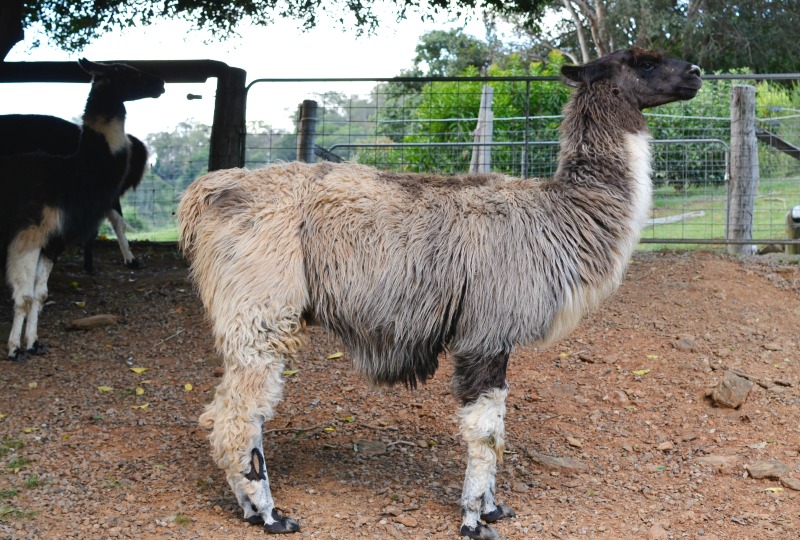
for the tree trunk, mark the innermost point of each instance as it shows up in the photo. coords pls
(11, 31)
(578, 30)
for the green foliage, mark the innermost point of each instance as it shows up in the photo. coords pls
(447, 53)
(266, 145)
(447, 111)
(763, 35)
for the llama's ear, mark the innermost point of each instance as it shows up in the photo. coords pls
(573, 75)
(587, 73)
(85, 65)
(90, 67)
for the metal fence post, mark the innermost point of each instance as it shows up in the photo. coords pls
(306, 131)
(744, 169)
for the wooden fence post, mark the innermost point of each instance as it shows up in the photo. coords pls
(306, 131)
(481, 161)
(744, 169)
(227, 134)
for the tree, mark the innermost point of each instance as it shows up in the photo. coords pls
(450, 52)
(72, 24)
(718, 35)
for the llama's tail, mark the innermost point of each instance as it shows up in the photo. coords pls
(206, 191)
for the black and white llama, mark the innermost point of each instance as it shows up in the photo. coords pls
(49, 201)
(25, 133)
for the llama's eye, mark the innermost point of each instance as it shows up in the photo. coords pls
(647, 66)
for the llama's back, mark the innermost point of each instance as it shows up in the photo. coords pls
(24, 133)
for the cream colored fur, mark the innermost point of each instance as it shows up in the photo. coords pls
(27, 272)
(483, 430)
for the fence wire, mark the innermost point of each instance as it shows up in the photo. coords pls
(428, 125)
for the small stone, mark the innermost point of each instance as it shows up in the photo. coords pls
(770, 468)
(619, 397)
(572, 441)
(408, 521)
(772, 346)
(718, 461)
(666, 446)
(657, 532)
(790, 483)
(686, 344)
(369, 448)
(520, 487)
(422, 443)
(731, 391)
(391, 511)
(552, 462)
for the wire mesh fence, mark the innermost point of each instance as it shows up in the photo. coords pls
(429, 125)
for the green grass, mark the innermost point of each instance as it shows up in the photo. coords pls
(8, 445)
(774, 199)
(17, 463)
(8, 512)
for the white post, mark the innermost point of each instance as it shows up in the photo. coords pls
(482, 152)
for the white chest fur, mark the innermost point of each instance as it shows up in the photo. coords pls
(114, 132)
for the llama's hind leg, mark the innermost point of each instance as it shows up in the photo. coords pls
(483, 429)
(247, 396)
(43, 268)
(119, 225)
(21, 276)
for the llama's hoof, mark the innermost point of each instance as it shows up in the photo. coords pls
(133, 264)
(18, 355)
(38, 349)
(501, 512)
(479, 531)
(281, 524)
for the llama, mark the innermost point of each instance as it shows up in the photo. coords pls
(24, 133)
(63, 198)
(402, 267)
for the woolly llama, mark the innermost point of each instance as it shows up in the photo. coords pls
(25, 133)
(402, 267)
(63, 198)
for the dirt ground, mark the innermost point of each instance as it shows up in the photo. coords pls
(610, 432)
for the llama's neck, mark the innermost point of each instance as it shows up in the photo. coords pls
(105, 115)
(605, 147)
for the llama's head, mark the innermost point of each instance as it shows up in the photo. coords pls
(646, 78)
(124, 82)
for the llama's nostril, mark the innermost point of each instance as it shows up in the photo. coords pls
(695, 70)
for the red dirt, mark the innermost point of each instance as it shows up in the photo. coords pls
(78, 462)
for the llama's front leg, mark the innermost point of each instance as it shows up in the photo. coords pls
(483, 430)
(43, 268)
(244, 400)
(21, 276)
